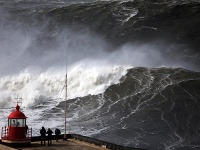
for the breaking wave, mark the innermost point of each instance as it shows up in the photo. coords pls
(35, 89)
(130, 67)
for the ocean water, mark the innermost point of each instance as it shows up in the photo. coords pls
(132, 69)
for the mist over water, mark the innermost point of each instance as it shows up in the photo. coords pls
(35, 71)
(33, 59)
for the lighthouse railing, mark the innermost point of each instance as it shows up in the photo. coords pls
(4, 132)
(29, 133)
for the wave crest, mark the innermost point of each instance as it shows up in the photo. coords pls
(35, 89)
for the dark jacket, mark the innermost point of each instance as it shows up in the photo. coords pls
(49, 132)
(57, 132)
(43, 132)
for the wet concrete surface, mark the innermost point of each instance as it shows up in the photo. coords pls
(70, 144)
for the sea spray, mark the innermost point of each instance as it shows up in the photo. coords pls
(35, 89)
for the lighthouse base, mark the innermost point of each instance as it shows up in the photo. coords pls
(16, 143)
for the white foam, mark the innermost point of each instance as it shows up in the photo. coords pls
(132, 14)
(35, 89)
(84, 81)
(46, 90)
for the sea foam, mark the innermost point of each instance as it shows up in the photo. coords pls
(35, 89)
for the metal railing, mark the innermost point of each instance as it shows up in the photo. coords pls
(29, 133)
(5, 131)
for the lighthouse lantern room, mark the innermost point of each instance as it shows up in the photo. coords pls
(17, 131)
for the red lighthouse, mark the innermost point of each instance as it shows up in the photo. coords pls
(17, 131)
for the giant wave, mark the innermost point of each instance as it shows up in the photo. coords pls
(132, 69)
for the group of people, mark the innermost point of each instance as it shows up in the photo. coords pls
(49, 133)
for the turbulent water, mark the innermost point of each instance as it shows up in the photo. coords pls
(132, 68)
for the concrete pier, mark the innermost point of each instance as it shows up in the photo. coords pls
(70, 144)
(3, 147)
(73, 142)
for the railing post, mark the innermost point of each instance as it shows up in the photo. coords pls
(2, 132)
(6, 130)
(27, 133)
(31, 133)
